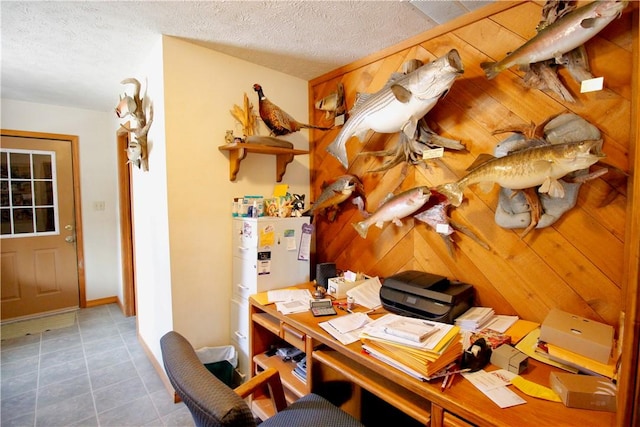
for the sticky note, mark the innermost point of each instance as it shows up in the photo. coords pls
(280, 190)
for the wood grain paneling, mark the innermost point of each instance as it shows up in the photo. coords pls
(578, 263)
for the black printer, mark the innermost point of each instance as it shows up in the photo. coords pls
(426, 296)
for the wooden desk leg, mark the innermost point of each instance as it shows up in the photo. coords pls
(437, 416)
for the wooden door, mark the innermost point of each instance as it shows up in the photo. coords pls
(40, 261)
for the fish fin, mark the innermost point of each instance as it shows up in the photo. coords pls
(452, 192)
(393, 78)
(588, 22)
(361, 228)
(360, 205)
(397, 222)
(490, 69)
(481, 159)
(410, 128)
(361, 98)
(339, 151)
(485, 186)
(380, 224)
(553, 187)
(386, 199)
(401, 93)
(361, 134)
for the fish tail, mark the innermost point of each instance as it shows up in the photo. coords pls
(491, 69)
(338, 150)
(361, 228)
(453, 192)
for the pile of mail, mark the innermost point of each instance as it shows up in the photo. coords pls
(289, 301)
(475, 318)
(418, 347)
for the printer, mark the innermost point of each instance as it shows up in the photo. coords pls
(426, 296)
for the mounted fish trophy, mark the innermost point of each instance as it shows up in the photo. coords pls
(532, 209)
(334, 106)
(541, 169)
(424, 145)
(400, 105)
(562, 32)
(134, 106)
(336, 192)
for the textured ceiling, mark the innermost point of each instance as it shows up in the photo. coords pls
(76, 53)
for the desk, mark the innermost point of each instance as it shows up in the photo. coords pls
(328, 360)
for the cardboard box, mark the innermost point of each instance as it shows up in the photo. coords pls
(577, 334)
(584, 391)
(338, 286)
(509, 358)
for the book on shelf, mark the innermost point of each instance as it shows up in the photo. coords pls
(299, 375)
(300, 371)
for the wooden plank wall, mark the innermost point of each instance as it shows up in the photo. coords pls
(576, 264)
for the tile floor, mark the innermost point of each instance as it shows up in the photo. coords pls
(94, 373)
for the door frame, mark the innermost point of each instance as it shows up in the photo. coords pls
(126, 224)
(77, 200)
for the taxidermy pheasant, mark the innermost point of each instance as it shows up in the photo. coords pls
(276, 118)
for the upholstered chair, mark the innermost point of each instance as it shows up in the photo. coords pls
(213, 403)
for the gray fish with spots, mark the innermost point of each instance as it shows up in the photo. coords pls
(538, 166)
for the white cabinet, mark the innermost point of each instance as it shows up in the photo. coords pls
(240, 334)
(266, 255)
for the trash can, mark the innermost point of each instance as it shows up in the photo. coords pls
(220, 361)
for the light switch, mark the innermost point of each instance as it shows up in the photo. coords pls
(98, 205)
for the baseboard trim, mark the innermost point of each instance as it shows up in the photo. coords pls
(104, 301)
(160, 370)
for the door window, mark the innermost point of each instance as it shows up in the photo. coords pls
(28, 199)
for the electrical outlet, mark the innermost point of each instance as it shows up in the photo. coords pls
(98, 206)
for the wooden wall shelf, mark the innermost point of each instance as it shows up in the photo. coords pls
(239, 150)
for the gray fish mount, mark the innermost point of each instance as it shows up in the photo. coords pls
(513, 210)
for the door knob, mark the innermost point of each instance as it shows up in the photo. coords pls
(69, 239)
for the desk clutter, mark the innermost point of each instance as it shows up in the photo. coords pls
(430, 330)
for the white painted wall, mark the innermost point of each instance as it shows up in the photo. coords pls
(182, 206)
(150, 217)
(98, 182)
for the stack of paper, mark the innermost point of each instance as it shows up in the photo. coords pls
(475, 318)
(367, 293)
(427, 347)
(500, 323)
(300, 371)
(290, 301)
(346, 329)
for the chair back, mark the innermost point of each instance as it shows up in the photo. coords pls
(210, 401)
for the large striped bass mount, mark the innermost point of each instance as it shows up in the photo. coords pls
(399, 106)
